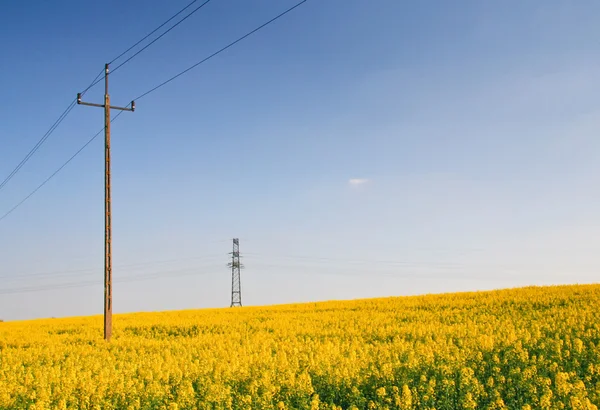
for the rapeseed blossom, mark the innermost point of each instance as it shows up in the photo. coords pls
(529, 348)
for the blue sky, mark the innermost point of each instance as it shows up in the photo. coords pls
(470, 127)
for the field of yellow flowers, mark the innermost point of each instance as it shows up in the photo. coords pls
(529, 348)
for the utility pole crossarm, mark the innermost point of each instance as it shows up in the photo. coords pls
(112, 107)
(107, 203)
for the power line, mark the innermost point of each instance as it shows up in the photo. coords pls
(311, 264)
(151, 91)
(221, 50)
(93, 83)
(309, 261)
(39, 143)
(132, 278)
(353, 261)
(155, 40)
(152, 32)
(194, 271)
(96, 80)
(37, 146)
(99, 79)
(434, 265)
(159, 37)
(85, 271)
(389, 263)
(57, 171)
(433, 272)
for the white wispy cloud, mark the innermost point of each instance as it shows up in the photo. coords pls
(357, 181)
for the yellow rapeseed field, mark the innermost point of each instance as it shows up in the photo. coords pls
(529, 348)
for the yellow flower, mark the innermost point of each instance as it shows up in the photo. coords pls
(489, 350)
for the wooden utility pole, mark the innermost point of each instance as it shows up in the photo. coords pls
(107, 203)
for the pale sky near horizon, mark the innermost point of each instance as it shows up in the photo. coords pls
(357, 149)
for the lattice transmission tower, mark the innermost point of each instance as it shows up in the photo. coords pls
(236, 268)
